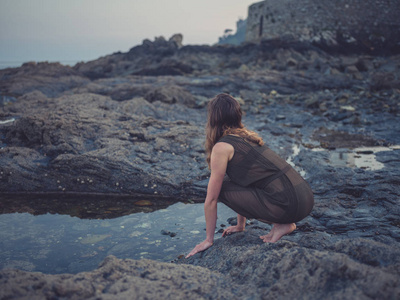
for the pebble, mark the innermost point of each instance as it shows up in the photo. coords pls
(166, 232)
(232, 221)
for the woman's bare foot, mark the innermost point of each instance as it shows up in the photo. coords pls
(266, 238)
(278, 231)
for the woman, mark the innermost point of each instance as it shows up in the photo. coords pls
(262, 185)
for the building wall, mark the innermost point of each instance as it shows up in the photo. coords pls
(365, 21)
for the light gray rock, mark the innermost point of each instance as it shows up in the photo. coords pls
(122, 279)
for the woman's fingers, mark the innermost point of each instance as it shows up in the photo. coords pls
(232, 229)
(229, 230)
(193, 252)
(196, 249)
(200, 247)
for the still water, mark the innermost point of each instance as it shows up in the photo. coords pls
(363, 157)
(63, 236)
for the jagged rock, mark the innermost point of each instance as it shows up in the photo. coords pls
(99, 128)
(177, 39)
(124, 279)
(383, 81)
(51, 79)
(350, 269)
(81, 136)
(305, 265)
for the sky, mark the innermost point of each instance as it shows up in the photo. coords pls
(82, 30)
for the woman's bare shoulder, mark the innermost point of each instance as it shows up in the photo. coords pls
(223, 148)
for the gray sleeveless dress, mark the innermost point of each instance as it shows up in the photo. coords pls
(264, 186)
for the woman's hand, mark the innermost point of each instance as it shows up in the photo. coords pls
(200, 247)
(232, 229)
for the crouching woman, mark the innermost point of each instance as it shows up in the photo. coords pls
(261, 184)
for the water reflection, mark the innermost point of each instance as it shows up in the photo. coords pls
(362, 157)
(87, 207)
(73, 236)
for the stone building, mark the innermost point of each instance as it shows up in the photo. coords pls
(371, 24)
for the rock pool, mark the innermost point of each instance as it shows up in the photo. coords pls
(53, 239)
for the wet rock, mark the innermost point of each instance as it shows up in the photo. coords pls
(339, 116)
(124, 125)
(384, 80)
(4, 100)
(353, 71)
(333, 139)
(166, 232)
(269, 270)
(232, 221)
(76, 142)
(312, 102)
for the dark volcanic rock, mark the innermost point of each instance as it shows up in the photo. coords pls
(171, 95)
(313, 267)
(99, 128)
(89, 143)
(237, 266)
(49, 78)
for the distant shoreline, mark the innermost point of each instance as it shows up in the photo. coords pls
(16, 64)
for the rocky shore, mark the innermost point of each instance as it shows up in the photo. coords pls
(133, 123)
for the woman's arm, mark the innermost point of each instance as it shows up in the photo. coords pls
(219, 162)
(220, 155)
(241, 221)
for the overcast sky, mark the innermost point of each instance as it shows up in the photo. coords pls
(72, 30)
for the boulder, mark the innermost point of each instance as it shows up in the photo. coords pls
(122, 279)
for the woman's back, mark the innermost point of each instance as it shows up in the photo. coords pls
(276, 182)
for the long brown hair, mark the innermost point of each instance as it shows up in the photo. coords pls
(225, 117)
